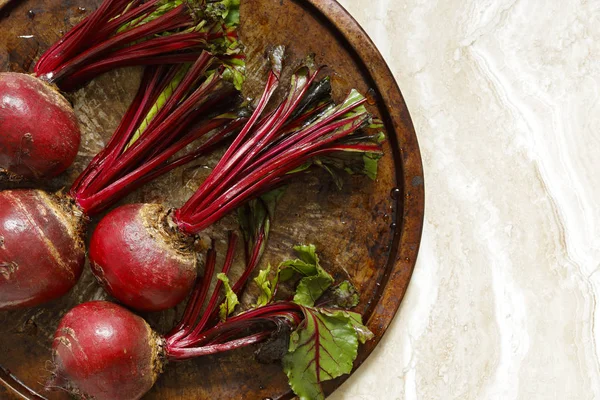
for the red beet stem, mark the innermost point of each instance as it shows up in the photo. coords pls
(262, 318)
(298, 131)
(219, 170)
(216, 295)
(174, 19)
(147, 94)
(192, 311)
(242, 154)
(251, 263)
(127, 33)
(162, 50)
(180, 354)
(120, 157)
(193, 338)
(278, 156)
(86, 32)
(133, 157)
(192, 325)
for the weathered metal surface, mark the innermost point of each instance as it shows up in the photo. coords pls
(368, 232)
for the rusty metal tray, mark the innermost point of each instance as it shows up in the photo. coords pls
(368, 231)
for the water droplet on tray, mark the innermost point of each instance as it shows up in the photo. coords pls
(371, 97)
(395, 193)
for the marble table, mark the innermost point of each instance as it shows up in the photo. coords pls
(504, 97)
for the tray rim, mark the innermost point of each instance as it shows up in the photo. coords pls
(409, 222)
(409, 175)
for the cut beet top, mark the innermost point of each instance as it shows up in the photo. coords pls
(40, 135)
(175, 106)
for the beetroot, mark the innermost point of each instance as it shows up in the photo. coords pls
(107, 351)
(41, 248)
(167, 269)
(305, 129)
(40, 134)
(104, 352)
(175, 106)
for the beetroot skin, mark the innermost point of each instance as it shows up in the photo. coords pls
(139, 259)
(103, 350)
(41, 247)
(40, 135)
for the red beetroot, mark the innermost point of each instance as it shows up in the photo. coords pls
(106, 351)
(41, 249)
(304, 129)
(40, 134)
(140, 233)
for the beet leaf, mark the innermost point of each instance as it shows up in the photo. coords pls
(315, 279)
(322, 348)
(231, 299)
(325, 344)
(266, 287)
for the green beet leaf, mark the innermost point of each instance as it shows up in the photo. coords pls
(343, 295)
(364, 334)
(231, 299)
(266, 286)
(311, 288)
(322, 348)
(315, 279)
(325, 344)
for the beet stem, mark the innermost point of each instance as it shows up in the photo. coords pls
(167, 114)
(262, 178)
(194, 307)
(174, 19)
(128, 33)
(267, 149)
(189, 333)
(216, 295)
(272, 83)
(180, 354)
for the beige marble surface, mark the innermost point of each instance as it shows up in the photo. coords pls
(504, 97)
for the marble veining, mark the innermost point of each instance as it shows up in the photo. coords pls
(503, 303)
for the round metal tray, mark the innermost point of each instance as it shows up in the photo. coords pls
(368, 231)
